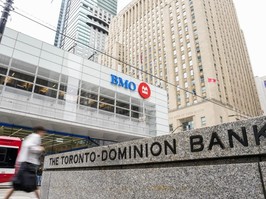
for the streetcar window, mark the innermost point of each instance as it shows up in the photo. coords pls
(8, 157)
(2, 154)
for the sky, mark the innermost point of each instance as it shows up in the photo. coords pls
(251, 16)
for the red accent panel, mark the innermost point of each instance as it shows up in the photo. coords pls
(6, 177)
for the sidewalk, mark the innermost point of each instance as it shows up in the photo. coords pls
(17, 194)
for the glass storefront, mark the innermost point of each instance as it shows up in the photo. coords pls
(54, 142)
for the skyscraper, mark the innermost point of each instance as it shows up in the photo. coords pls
(195, 45)
(261, 87)
(84, 23)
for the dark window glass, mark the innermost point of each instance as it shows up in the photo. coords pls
(134, 114)
(84, 5)
(122, 111)
(134, 108)
(2, 80)
(19, 84)
(2, 154)
(8, 157)
(61, 95)
(48, 83)
(171, 128)
(187, 125)
(3, 70)
(107, 100)
(88, 102)
(45, 91)
(106, 107)
(88, 95)
(63, 87)
(122, 104)
(22, 76)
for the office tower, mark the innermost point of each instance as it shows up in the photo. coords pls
(196, 46)
(61, 23)
(261, 88)
(83, 26)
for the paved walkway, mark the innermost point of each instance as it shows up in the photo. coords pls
(17, 195)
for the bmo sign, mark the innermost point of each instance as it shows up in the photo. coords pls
(143, 88)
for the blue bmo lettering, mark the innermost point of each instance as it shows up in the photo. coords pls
(123, 83)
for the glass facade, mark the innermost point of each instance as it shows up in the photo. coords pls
(84, 25)
(56, 86)
(41, 80)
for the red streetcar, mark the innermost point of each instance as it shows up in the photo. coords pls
(9, 148)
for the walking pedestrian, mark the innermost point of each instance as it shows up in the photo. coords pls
(39, 176)
(28, 162)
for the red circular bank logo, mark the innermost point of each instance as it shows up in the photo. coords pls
(144, 90)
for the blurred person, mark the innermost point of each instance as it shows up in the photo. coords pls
(27, 163)
(39, 170)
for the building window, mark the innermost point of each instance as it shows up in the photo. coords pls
(18, 84)
(171, 127)
(88, 99)
(135, 111)
(106, 104)
(188, 125)
(3, 70)
(20, 80)
(174, 52)
(221, 119)
(45, 91)
(85, 6)
(2, 80)
(203, 121)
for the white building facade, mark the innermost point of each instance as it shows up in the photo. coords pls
(44, 85)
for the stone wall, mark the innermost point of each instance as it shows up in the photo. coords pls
(224, 161)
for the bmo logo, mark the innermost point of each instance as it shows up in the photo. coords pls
(143, 89)
(119, 81)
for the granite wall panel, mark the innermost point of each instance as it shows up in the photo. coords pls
(214, 162)
(263, 173)
(212, 181)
